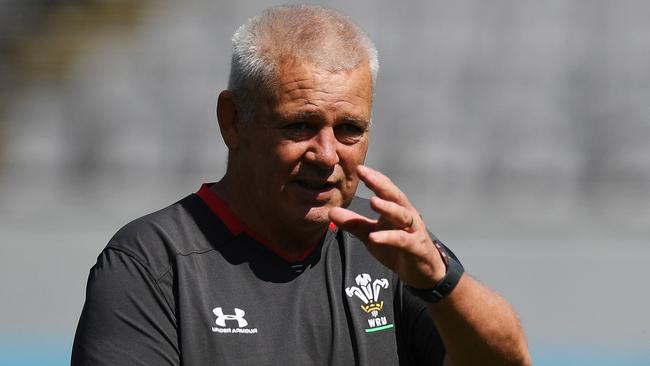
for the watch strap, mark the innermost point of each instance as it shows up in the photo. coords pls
(447, 284)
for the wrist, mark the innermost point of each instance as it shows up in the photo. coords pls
(445, 284)
(441, 263)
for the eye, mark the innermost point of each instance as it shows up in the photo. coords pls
(349, 132)
(298, 130)
(350, 128)
(296, 126)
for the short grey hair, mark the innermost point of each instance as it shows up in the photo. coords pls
(305, 33)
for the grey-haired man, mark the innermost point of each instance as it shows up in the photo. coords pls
(278, 262)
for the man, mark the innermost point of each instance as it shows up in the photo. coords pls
(267, 266)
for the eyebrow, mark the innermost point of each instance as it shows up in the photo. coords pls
(356, 120)
(303, 115)
(347, 117)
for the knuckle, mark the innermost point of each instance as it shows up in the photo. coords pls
(403, 237)
(405, 215)
(388, 181)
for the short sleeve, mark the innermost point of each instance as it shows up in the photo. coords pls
(417, 337)
(125, 319)
(419, 342)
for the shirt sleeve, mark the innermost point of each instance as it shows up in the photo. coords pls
(417, 337)
(419, 342)
(125, 319)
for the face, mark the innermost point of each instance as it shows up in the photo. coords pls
(303, 147)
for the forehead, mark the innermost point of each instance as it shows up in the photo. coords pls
(305, 87)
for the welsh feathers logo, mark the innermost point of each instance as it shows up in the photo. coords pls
(368, 291)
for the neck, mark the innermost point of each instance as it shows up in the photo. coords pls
(294, 238)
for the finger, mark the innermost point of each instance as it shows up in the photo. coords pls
(398, 216)
(382, 186)
(359, 225)
(392, 238)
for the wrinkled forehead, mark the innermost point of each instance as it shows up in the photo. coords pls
(302, 87)
(294, 75)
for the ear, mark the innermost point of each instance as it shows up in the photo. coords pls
(228, 119)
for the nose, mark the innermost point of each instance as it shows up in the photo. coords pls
(323, 151)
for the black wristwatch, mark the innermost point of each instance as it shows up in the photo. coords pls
(443, 288)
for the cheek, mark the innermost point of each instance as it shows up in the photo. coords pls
(288, 156)
(353, 155)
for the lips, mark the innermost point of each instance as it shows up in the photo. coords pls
(316, 185)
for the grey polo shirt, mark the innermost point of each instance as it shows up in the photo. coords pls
(191, 285)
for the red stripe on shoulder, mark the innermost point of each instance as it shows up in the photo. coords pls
(234, 224)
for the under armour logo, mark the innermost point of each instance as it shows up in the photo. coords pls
(221, 317)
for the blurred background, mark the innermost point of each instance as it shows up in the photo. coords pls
(521, 130)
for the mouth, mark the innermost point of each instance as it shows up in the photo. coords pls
(316, 185)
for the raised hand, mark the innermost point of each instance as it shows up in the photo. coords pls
(398, 239)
